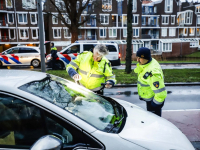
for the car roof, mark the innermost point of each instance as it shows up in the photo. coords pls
(16, 78)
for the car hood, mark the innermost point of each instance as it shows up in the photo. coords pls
(151, 131)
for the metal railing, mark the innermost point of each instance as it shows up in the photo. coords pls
(150, 36)
(3, 23)
(147, 13)
(5, 39)
(145, 24)
(86, 37)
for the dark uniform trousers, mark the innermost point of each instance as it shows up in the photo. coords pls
(156, 109)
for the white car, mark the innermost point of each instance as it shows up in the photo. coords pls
(42, 111)
(71, 51)
(20, 55)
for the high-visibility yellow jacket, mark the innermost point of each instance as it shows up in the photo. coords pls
(93, 73)
(151, 82)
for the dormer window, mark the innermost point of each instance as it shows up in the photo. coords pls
(168, 6)
(106, 5)
(29, 4)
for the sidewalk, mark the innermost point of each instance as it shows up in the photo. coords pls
(188, 121)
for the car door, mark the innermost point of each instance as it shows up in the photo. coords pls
(10, 57)
(70, 53)
(24, 55)
(22, 124)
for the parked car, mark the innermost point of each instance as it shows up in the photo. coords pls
(20, 55)
(70, 52)
(55, 113)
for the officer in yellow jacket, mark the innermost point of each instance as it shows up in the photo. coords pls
(150, 85)
(91, 68)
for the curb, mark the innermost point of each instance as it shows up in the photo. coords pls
(166, 84)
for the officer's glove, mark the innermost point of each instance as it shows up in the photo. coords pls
(77, 77)
(108, 85)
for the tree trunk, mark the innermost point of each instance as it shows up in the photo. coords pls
(129, 38)
(74, 33)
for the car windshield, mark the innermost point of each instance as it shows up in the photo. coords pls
(90, 107)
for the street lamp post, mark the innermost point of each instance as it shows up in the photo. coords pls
(41, 34)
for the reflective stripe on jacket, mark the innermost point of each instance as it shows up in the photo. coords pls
(153, 87)
(93, 73)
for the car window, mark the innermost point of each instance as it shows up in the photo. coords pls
(111, 48)
(27, 50)
(22, 124)
(12, 51)
(72, 49)
(77, 100)
(87, 47)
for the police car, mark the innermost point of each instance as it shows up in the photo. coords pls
(71, 51)
(20, 55)
(42, 111)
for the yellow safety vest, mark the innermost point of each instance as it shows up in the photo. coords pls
(93, 73)
(150, 83)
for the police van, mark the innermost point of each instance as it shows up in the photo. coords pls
(21, 55)
(71, 51)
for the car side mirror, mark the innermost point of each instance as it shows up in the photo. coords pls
(4, 53)
(47, 142)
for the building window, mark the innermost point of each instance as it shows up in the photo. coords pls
(167, 47)
(188, 17)
(134, 5)
(55, 19)
(104, 19)
(198, 19)
(23, 33)
(57, 33)
(67, 20)
(198, 9)
(135, 32)
(102, 32)
(112, 32)
(168, 5)
(67, 33)
(124, 20)
(136, 47)
(198, 31)
(29, 4)
(172, 31)
(10, 18)
(60, 4)
(135, 19)
(185, 31)
(106, 5)
(124, 32)
(155, 9)
(22, 18)
(34, 33)
(165, 19)
(12, 33)
(191, 31)
(172, 19)
(9, 4)
(164, 31)
(33, 18)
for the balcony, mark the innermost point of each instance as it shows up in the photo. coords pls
(2, 7)
(150, 36)
(3, 23)
(87, 37)
(5, 39)
(147, 13)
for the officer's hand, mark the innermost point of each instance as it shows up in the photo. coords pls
(76, 77)
(108, 85)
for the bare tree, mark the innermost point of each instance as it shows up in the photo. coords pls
(129, 37)
(69, 12)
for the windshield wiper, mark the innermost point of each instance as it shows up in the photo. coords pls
(116, 123)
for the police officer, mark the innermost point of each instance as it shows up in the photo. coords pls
(91, 68)
(53, 56)
(150, 85)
